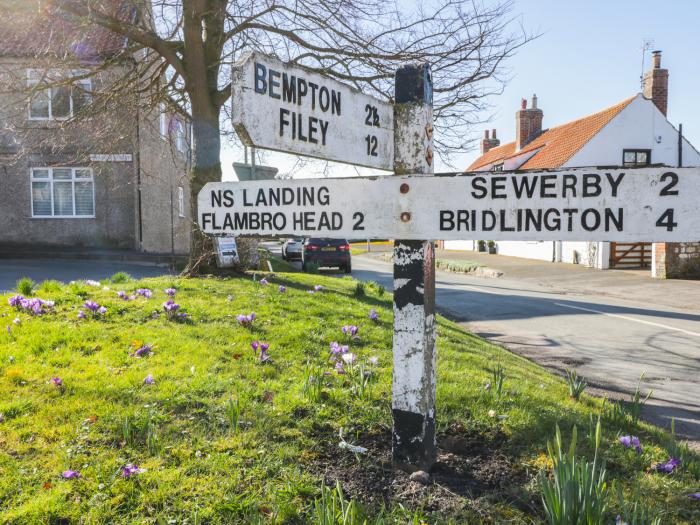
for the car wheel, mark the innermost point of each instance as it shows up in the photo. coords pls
(303, 266)
(348, 268)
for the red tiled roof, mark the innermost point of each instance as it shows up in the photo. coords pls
(31, 28)
(556, 145)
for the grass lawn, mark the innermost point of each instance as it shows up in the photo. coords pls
(225, 438)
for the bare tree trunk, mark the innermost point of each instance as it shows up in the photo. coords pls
(206, 167)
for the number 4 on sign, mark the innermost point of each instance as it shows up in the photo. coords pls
(666, 220)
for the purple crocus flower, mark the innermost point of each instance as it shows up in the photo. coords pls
(318, 288)
(263, 347)
(16, 301)
(339, 368)
(669, 466)
(102, 310)
(130, 470)
(350, 330)
(91, 282)
(246, 320)
(694, 495)
(149, 380)
(144, 292)
(92, 306)
(122, 295)
(71, 474)
(37, 307)
(348, 358)
(81, 315)
(57, 381)
(373, 315)
(337, 349)
(17, 321)
(282, 288)
(142, 351)
(171, 292)
(264, 281)
(631, 442)
(636, 444)
(171, 306)
(374, 360)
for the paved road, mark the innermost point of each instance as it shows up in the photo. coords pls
(609, 341)
(11, 270)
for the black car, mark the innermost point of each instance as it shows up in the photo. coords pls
(326, 252)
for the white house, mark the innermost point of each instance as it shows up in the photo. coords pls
(634, 132)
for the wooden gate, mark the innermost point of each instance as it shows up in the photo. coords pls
(630, 255)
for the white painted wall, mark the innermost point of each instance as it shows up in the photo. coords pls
(639, 126)
(460, 245)
(540, 250)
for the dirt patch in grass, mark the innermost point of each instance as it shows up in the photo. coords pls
(470, 466)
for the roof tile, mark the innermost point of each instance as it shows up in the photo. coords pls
(556, 145)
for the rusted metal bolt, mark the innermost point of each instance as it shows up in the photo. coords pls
(429, 156)
(406, 216)
(404, 188)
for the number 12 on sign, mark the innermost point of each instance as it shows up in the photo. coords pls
(372, 142)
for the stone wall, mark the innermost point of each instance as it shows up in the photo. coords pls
(676, 260)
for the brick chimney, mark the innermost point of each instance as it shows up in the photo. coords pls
(656, 83)
(528, 123)
(488, 143)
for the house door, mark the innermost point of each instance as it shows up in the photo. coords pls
(630, 255)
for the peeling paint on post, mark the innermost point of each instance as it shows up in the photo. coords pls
(413, 389)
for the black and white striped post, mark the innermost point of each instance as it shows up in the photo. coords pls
(413, 389)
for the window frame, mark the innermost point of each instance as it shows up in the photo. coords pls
(497, 168)
(82, 82)
(72, 180)
(181, 201)
(636, 151)
(163, 123)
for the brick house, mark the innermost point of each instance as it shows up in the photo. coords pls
(633, 133)
(76, 175)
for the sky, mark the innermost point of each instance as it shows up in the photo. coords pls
(588, 57)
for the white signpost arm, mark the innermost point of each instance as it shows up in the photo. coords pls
(413, 388)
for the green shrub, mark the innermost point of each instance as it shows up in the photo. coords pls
(233, 414)
(377, 288)
(576, 493)
(25, 286)
(637, 401)
(635, 513)
(359, 290)
(50, 285)
(455, 265)
(576, 384)
(120, 277)
(498, 377)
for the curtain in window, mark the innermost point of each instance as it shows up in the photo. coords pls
(41, 198)
(60, 102)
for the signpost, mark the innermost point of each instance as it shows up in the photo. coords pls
(292, 109)
(296, 110)
(622, 205)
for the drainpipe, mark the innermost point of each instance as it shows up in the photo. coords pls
(137, 162)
